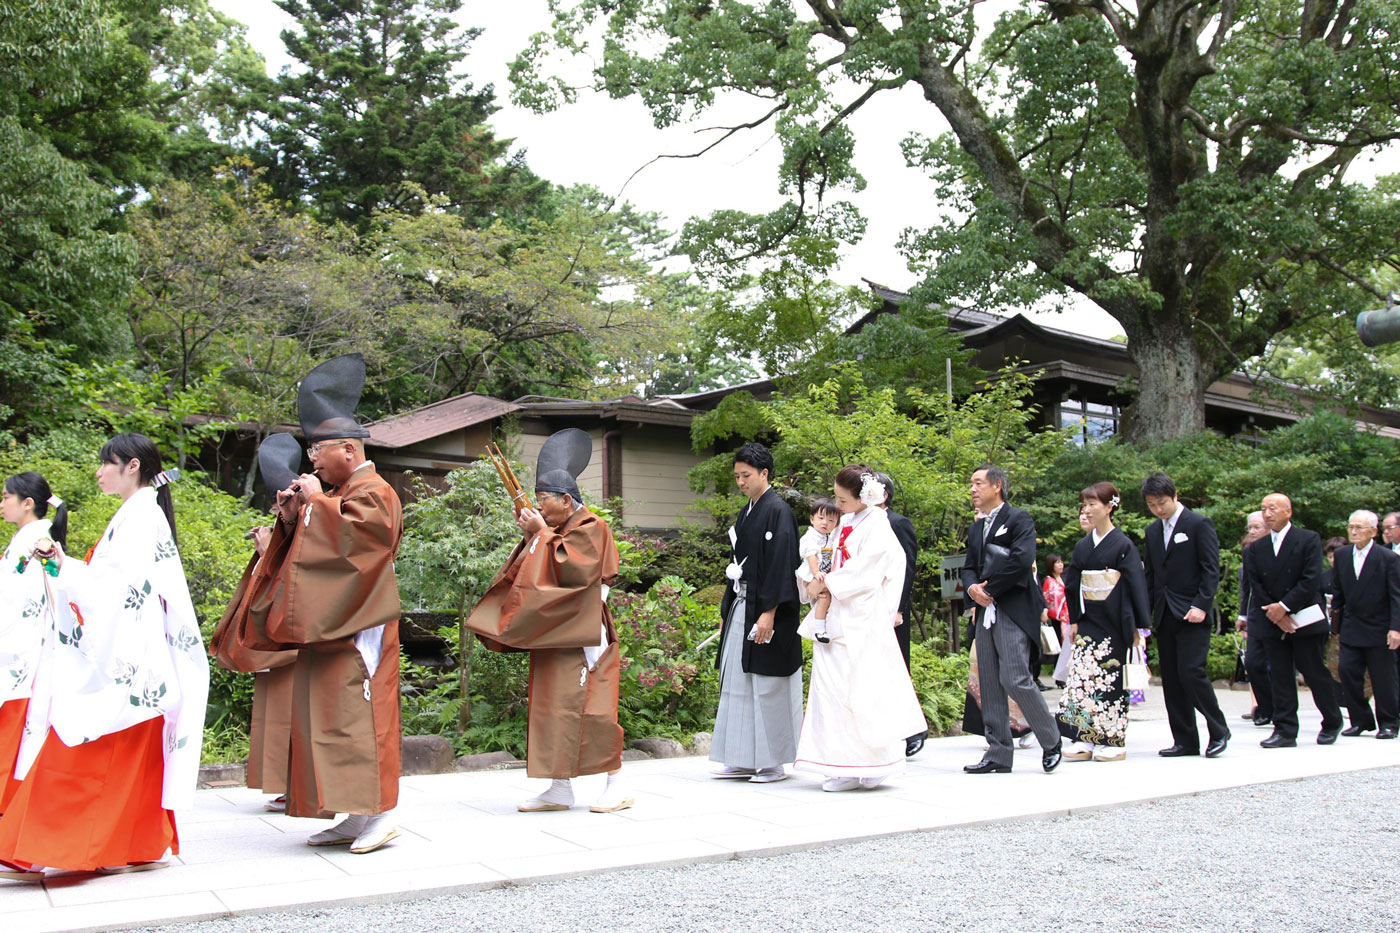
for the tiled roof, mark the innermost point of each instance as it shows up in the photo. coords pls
(439, 418)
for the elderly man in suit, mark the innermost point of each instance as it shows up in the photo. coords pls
(1284, 570)
(1183, 573)
(997, 576)
(1366, 614)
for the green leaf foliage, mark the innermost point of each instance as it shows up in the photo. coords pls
(1188, 166)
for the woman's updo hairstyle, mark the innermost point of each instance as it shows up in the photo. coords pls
(32, 485)
(850, 478)
(1105, 492)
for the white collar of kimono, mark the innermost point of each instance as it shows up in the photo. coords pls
(141, 499)
(25, 538)
(852, 520)
(1094, 533)
(367, 463)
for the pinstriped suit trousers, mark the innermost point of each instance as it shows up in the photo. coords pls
(1004, 667)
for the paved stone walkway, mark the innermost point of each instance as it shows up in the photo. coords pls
(461, 831)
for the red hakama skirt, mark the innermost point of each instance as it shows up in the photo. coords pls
(11, 731)
(93, 805)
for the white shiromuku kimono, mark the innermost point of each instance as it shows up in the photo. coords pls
(861, 705)
(22, 611)
(125, 648)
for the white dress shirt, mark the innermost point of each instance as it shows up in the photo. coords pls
(1358, 558)
(1169, 525)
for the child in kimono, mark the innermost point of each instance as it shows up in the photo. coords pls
(815, 549)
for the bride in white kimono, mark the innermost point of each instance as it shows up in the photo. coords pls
(862, 704)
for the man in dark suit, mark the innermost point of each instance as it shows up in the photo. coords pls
(1183, 573)
(997, 576)
(1284, 570)
(904, 530)
(1366, 613)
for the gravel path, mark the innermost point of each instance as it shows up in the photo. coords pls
(1313, 855)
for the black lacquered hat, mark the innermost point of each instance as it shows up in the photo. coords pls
(328, 396)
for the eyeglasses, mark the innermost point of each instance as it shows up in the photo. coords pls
(1388, 527)
(1364, 527)
(315, 449)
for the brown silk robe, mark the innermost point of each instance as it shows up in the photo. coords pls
(270, 731)
(548, 600)
(338, 580)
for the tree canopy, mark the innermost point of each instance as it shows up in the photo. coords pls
(1190, 166)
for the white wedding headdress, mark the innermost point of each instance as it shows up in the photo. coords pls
(872, 491)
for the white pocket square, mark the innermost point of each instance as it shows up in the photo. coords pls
(1179, 537)
(999, 532)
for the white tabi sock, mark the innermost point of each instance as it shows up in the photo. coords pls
(561, 790)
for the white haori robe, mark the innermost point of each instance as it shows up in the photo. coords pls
(861, 704)
(125, 647)
(23, 608)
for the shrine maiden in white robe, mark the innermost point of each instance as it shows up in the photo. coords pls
(861, 705)
(124, 647)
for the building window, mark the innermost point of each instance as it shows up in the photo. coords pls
(1091, 422)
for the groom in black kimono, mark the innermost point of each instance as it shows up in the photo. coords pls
(760, 653)
(998, 576)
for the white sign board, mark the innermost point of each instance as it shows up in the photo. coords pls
(952, 576)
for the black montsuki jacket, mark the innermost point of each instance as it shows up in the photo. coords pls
(766, 545)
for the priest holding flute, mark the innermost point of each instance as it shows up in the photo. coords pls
(550, 600)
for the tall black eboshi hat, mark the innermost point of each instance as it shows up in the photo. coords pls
(328, 396)
(563, 457)
(279, 461)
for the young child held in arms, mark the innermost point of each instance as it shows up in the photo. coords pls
(815, 549)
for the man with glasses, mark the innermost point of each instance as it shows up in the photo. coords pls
(337, 602)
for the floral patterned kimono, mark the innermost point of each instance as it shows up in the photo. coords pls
(1106, 590)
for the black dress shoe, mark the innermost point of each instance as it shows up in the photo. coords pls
(1217, 746)
(987, 767)
(1179, 751)
(1386, 733)
(1263, 720)
(1252, 714)
(1352, 732)
(913, 745)
(1328, 736)
(1050, 758)
(1278, 741)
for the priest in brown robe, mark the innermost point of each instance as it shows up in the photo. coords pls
(549, 600)
(270, 729)
(337, 603)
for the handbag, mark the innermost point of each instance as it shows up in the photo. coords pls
(1049, 642)
(1135, 673)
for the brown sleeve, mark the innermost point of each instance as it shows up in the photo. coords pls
(339, 575)
(553, 599)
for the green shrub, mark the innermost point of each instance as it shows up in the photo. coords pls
(667, 688)
(940, 681)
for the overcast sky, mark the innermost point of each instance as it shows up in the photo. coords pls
(601, 142)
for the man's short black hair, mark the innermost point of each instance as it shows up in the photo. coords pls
(1159, 484)
(757, 456)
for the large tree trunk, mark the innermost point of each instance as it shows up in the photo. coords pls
(1172, 380)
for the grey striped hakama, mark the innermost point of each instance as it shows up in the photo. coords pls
(759, 717)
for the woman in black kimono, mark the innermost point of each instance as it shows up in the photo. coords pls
(1107, 594)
